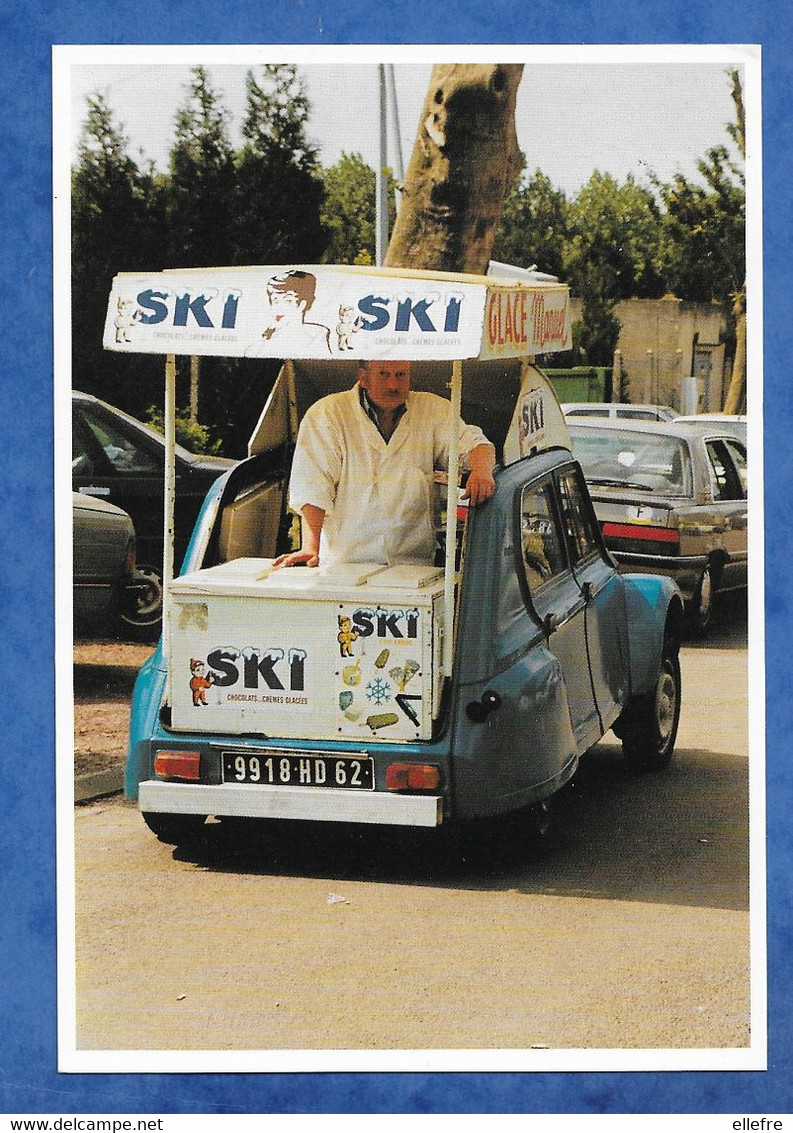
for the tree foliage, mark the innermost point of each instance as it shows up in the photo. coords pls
(613, 237)
(269, 201)
(611, 253)
(213, 207)
(115, 227)
(278, 191)
(533, 226)
(199, 189)
(705, 221)
(349, 211)
(705, 237)
(704, 230)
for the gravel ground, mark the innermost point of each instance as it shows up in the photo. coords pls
(104, 674)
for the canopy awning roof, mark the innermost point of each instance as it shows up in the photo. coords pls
(326, 312)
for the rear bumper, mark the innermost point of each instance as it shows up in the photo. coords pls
(685, 570)
(318, 804)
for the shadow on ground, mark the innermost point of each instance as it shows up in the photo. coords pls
(729, 627)
(675, 837)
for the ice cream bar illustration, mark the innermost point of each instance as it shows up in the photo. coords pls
(404, 673)
(382, 658)
(382, 720)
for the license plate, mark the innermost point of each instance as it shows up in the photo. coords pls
(284, 769)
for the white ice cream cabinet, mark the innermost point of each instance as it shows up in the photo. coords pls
(339, 653)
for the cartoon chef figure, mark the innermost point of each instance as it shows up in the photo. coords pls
(198, 682)
(127, 317)
(346, 327)
(346, 636)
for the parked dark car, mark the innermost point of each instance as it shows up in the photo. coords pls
(119, 459)
(104, 583)
(671, 498)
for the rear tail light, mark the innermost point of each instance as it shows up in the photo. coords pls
(412, 777)
(644, 538)
(178, 764)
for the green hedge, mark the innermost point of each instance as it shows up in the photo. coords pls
(582, 383)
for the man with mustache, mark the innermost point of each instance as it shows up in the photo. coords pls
(364, 470)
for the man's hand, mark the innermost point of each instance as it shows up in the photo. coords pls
(308, 555)
(480, 485)
(297, 558)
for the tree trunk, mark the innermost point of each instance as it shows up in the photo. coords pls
(465, 160)
(736, 394)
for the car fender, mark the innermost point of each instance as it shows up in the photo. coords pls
(654, 610)
(147, 696)
(512, 737)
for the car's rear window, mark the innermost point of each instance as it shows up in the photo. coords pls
(644, 461)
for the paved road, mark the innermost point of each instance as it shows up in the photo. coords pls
(631, 932)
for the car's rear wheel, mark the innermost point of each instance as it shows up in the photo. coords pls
(174, 829)
(700, 613)
(141, 604)
(649, 725)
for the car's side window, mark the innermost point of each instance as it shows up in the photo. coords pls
(82, 462)
(123, 452)
(738, 454)
(579, 529)
(542, 550)
(724, 479)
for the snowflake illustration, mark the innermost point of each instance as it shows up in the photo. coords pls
(378, 691)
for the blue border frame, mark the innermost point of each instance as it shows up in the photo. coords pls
(30, 1082)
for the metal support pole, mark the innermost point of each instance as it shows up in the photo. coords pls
(399, 165)
(451, 518)
(616, 376)
(195, 369)
(648, 379)
(169, 498)
(381, 189)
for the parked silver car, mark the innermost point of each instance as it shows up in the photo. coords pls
(734, 424)
(104, 582)
(618, 409)
(671, 498)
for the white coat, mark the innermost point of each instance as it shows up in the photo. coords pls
(378, 497)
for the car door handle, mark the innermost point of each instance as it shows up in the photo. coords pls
(93, 490)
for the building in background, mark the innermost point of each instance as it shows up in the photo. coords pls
(671, 352)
